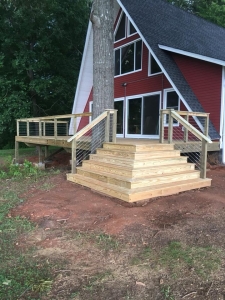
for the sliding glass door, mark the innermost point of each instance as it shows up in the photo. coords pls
(143, 116)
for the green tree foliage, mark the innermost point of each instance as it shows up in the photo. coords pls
(41, 44)
(212, 10)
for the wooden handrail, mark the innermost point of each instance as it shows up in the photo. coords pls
(55, 117)
(190, 127)
(88, 127)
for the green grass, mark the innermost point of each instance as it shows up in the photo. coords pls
(22, 274)
(203, 260)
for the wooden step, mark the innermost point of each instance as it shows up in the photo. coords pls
(122, 161)
(131, 183)
(139, 155)
(139, 193)
(129, 171)
(138, 147)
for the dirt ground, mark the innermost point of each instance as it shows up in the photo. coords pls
(60, 207)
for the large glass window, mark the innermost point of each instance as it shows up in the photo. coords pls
(172, 102)
(121, 30)
(128, 58)
(154, 68)
(124, 29)
(131, 29)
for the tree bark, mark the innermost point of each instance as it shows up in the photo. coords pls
(102, 18)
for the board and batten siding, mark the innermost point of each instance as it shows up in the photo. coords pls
(205, 79)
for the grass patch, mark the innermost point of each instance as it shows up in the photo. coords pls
(22, 274)
(203, 260)
(176, 256)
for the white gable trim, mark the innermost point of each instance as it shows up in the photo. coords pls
(85, 80)
(222, 115)
(159, 63)
(194, 55)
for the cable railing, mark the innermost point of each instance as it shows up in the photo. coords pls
(188, 131)
(92, 136)
(50, 126)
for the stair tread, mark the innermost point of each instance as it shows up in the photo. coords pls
(130, 168)
(138, 189)
(137, 152)
(136, 179)
(141, 160)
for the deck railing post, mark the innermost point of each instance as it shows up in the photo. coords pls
(74, 153)
(74, 125)
(55, 128)
(40, 131)
(203, 163)
(44, 128)
(28, 128)
(185, 129)
(18, 128)
(170, 128)
(206, 129)
(161, 137)
(114, 126)
(107, 126)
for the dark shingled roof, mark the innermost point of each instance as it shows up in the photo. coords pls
(162, 23)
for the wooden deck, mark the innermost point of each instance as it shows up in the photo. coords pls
(61, 141)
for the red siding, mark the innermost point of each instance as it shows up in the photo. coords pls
(139, 82)
(205, 79)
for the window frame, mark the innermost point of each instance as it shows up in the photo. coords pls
(128, 28)
(149, 66)
(165, 93)
(120, 48)
(117, 27)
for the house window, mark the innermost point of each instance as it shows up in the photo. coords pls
(154, 68)
(128, 58)
(121, 30)
(172, 101)
(124, 28)
(130, 30)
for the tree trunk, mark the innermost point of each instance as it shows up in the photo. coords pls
(102, 18)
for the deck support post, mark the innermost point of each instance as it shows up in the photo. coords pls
(16, 152)
(161, 137)
(46, 151)
(170, 128)
(203, 159)
(114, 126)
(39, 154)
(206, 129)
(74, 153)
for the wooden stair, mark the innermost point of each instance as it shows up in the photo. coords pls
(137, 172)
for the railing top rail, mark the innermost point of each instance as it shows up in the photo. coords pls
(91, 124)
(190, 127)
(55, 117)
(189, 113)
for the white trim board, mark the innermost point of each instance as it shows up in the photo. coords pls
(194, 55)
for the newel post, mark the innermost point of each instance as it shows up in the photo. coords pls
(114, 126)
(170, 128)
(161, 137)
(74, 154)
(107, 126)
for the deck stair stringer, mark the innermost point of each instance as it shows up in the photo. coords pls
(138, 172)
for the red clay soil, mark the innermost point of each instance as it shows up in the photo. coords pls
(61, 201)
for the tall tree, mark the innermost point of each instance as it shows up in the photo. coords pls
(212, 10)
(41, 45)
(103, 55)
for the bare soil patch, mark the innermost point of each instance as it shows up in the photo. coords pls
(115, 251)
